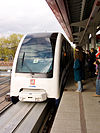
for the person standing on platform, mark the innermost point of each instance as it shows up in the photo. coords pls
(97, 63)
(98, 53)
(83, 64)
(92, 60)
(78, 69)
(88, 56)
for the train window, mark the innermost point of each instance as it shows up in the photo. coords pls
(36, 55)
(63, 57)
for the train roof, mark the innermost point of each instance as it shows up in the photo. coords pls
(42, 34)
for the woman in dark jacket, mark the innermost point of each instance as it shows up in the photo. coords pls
(78, 69)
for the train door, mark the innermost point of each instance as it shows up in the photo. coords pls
(63, 57)
(63, 63)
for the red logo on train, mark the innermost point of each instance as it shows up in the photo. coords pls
(32, 81)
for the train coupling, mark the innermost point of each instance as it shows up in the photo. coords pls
(30, 95)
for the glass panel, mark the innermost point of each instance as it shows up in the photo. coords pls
(35, 56)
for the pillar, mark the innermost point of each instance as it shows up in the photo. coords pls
(93, 37)
(84, 46)
(93, 42)
(87, 41)
(87, 46)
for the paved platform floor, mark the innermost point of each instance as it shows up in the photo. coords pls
(78, 112)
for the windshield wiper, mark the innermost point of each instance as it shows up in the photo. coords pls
(25, 63)
(23, 58)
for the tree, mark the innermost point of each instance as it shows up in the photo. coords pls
(9, 45)
(2, 44)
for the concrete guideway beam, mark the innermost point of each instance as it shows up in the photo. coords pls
(24, 117)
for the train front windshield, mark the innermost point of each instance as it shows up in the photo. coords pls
(36, 55)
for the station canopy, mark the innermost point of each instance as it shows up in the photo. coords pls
(77, 17)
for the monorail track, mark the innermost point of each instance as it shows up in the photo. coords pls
(25, 117)
(4, 89)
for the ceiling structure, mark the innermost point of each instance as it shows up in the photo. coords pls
(77, 17)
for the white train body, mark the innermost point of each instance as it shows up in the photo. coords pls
(36, 73)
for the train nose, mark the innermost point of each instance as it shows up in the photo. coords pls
(38, 95)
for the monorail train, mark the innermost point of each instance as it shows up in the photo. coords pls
(39, 67)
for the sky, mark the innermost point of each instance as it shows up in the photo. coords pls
(25, 16)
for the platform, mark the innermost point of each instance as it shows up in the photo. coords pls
(78, 112)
